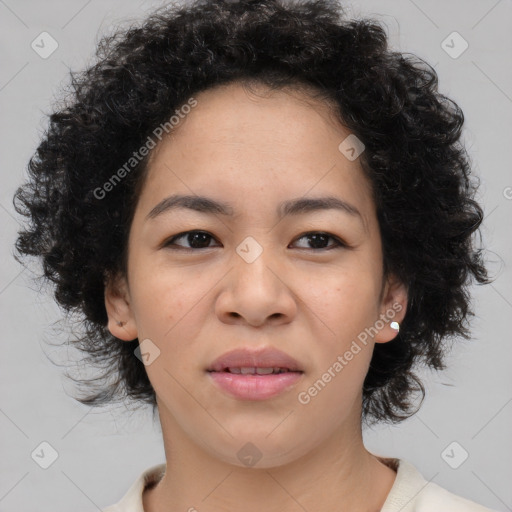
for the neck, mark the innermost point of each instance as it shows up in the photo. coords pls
(340, 474)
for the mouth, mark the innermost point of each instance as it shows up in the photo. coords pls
(261, 361)
(251, 384)
(256, 370)
(249, 374)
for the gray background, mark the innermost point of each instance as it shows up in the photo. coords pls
(101, 452)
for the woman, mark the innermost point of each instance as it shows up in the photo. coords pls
(266, 219)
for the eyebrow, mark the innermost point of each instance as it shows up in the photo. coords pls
(210, 206)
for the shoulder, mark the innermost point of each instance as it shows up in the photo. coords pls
(132, 500)
(411, 492)
(436, 498)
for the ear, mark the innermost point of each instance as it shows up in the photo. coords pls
(121, 321)
(392, 308)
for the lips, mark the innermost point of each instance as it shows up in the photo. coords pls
(258, 362)
(249, 374)
(253, 370)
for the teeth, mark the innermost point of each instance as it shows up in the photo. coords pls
(264, 371)
(259, 371)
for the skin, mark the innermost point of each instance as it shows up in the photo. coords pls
(254, 151)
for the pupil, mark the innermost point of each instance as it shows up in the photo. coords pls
(316, 237)
(197, 236)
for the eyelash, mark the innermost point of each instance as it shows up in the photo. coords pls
(170, 242)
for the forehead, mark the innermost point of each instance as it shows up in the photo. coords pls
(239, 113)
(265, 146)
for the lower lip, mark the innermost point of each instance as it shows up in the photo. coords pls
(255, 387)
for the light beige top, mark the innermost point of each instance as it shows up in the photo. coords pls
(410, 493)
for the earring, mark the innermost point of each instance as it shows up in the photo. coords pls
(119, 323)
(395, 326)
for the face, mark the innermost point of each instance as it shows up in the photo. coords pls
(306, 281)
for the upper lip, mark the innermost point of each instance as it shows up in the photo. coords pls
(267, 357)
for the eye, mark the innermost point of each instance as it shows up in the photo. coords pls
(196, 239)
(319, 238)
(201, 240)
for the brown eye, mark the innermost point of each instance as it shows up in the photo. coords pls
(195, 239)
(319, 240)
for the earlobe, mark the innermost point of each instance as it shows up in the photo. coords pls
(393, 309)
(121, 323)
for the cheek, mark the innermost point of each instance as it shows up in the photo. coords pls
(345, 305)
(170, 308)
(344, 301)
(341, 361)
(162, 297)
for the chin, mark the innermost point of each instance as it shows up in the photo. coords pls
(259, 450)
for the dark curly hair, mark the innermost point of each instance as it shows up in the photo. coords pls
(418, 168)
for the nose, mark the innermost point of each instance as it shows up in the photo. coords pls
(257, 293)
